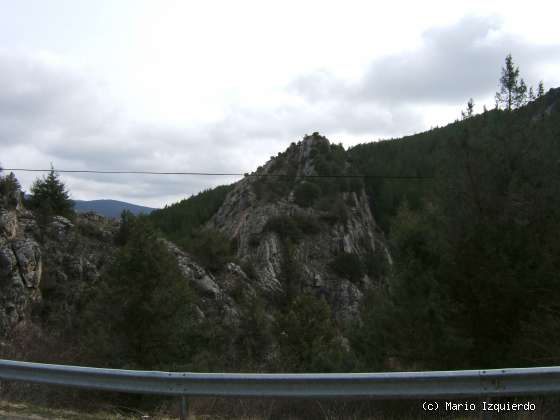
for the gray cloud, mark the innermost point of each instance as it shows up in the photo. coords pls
(54, 113)
(453, 64)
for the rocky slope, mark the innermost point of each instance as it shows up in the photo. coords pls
(43, 267)
(335, 224)
(21, 266)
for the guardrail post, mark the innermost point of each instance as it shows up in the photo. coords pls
(184, 408)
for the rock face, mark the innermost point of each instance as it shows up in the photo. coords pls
(21, 266)
(216, 293)
(74, 254)
(46, 266)
(343, 225)
(44, 269)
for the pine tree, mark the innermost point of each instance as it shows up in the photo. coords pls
(540, 89)
(50, 197)
(509, 85)
(531, 96)
(469, 111)
(308, 338)
(10, 194)
(521, 94)
(141, 313)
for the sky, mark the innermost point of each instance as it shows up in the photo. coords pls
(220, 86)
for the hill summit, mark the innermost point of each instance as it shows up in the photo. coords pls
(302, 226)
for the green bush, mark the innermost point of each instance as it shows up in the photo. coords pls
(293, 228)
(211, 247)
(255, 337)
(376, 264)
(348, 265)
(248, 267)
(308, 338)
(306, 193)
(336, 211)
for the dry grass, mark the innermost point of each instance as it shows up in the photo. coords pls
(204, 409)
(9, 410)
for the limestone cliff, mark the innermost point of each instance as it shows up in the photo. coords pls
(334, 219)
(43, 266)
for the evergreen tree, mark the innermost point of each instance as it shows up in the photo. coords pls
(126, 224)
(521, 94)
(50, 197)
(308, 338)
(141, 313)
(509, 85)
(306, 193)
(9, 190)
(469, 111)
(540, 89)
(531, 95)
(255, 336)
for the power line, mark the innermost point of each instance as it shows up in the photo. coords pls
(214, 174)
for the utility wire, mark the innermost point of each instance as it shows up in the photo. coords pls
(214, 174)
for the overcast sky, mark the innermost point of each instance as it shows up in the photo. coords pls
(220, 86)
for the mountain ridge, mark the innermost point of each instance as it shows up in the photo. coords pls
(109, 207)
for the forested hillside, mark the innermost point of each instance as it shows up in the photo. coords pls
(474, 239)
(477, 252)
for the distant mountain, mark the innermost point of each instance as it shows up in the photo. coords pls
(109, 208)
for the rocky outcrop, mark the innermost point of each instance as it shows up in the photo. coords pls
(244, 218)
(47, 266)
(21, 267)
(219, 296)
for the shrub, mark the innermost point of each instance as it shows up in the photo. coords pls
(336, 211)
(255, 338)
(376, 263)
(248, 267)
(306, 193)
(211, 247)
(308, 338)
(348, 265)
(293, 228)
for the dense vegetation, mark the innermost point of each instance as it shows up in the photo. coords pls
(141, 314)
(475, 280)
(327, 161)
(183, 222)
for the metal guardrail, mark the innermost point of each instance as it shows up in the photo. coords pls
(406, 385)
